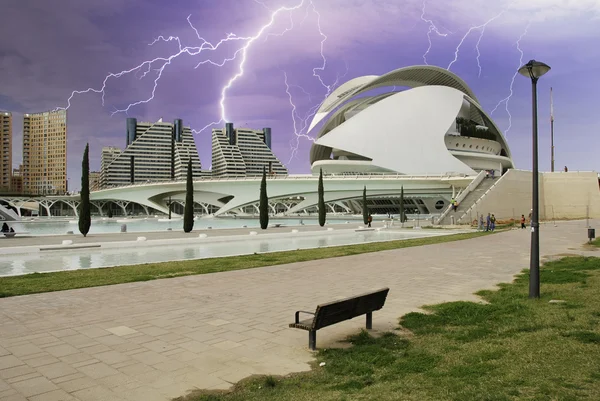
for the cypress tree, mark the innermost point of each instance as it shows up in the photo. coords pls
(402, 216)
(322, 210)
(188, 211)
(365, 209)
(85, 218)
(263, 206)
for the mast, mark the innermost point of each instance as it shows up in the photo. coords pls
(551, 132)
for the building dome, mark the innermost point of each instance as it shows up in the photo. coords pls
(437, 126)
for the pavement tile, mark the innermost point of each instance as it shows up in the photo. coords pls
(16, 371)
(35, 386)
(62, 350)
(153, 331)
(24, 350)
(9, 361)
(150, 357)
(112, 357)
(159, 346)
(136, 369)
(77, 384)
(122, 330)
(97, 370)
(56, 370)
(98, 393)
(226, 345)
(13, 397)
(23, 377)
(56, 395)
(218, 322)
(67, 378)
(79, 340)
(92, 331)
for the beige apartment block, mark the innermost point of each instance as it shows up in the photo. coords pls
(45, 152)
(6, 149)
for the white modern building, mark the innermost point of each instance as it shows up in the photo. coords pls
(243, 152)
(431, 141)
(157, 151)
(436, 126)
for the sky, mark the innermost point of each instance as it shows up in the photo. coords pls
(270, 63)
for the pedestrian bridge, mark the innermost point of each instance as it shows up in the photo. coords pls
(287, 195)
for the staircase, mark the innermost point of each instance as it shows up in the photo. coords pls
(467, 202)
(7, 214)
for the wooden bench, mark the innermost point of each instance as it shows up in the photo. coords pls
(338, 311)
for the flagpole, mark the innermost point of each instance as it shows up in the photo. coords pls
(551, 132)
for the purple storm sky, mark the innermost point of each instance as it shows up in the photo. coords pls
(48, 49)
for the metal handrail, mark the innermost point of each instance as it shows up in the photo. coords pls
(472, 185)
(480, 198)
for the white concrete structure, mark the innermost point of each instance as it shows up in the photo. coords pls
(243, 152)
(155, 152)
(413, 132)
(293, 193)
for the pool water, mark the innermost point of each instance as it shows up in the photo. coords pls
(45, 261)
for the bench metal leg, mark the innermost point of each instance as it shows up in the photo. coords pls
(312, 340)
(369, 320)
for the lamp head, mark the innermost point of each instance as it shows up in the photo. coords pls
(534, 69)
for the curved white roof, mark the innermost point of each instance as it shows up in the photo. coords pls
(380, 132)
(413, 77)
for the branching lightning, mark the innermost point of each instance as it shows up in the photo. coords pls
(159, 64)
(471, 29)
(432, 28)
(507, 99)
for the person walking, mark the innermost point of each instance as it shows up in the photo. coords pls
(370, 220)
(480, 225)
(488, 222)
(522, 221)
(493, 222)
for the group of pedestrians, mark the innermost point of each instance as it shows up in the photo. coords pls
(490, 223)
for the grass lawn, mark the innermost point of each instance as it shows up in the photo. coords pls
(67, 280)
(596, 242)
(509, 348)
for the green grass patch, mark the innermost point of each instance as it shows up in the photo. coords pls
(506, 348)
(596, 242)
(67, 280)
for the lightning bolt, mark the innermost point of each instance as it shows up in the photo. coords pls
(159, 64)
(471, 29)
(432, 28)
(512, 82)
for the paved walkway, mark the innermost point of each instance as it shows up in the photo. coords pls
(156, 340)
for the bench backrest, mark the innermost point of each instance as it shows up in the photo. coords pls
(338, 311)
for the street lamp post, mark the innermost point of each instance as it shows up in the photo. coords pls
(534, 70)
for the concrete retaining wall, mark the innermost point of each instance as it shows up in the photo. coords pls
(563, 195)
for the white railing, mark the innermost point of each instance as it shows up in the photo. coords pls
(468, 211)
(472, 185)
